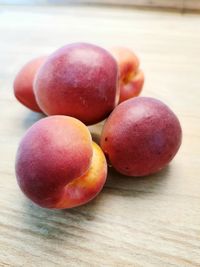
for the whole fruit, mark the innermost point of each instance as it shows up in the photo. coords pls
(23, 83)
(58, 166)
(78, 80)
(141, 136)
(131, 77)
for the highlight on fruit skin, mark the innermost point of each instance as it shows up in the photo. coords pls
(78, 80)
(23, 83)
(57, 164)
(131, 77)
(141, 136)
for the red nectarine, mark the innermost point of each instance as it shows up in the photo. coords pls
(23, 83)
(57, 165)
(78, 80)
(141, 136)
(131, 78)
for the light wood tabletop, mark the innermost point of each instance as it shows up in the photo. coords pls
(151, 221)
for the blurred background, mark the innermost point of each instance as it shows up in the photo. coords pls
(181, 5)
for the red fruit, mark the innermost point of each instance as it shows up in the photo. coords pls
(58, 166)
(131, 78)
(141, 136)
(23, 84)
(78, 80)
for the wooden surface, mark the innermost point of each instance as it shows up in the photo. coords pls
(180, 5)
(152, 221)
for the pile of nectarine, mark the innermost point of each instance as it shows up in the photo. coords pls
(57, 163)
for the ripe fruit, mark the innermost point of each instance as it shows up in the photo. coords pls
(23, 83)
(131, 78)
(141, 136)
(78, 80)
(58, 166)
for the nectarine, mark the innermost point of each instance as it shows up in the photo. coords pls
(57, 165)
(141, 136)
(131, 78)
(23, 83)
(78, 80)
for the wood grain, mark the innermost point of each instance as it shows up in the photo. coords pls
(180, 5)
(152, 221)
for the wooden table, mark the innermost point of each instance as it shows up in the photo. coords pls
(152, 221)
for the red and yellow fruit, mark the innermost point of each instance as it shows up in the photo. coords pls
(131, 77)
(141, 136)
(58, 165)
(23, 83)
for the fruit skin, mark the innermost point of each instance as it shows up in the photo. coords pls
(141, 136)
(53, 156)
(78, 80)
(131, 78)
(86, 187)
(23, 83)
(132, 88)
